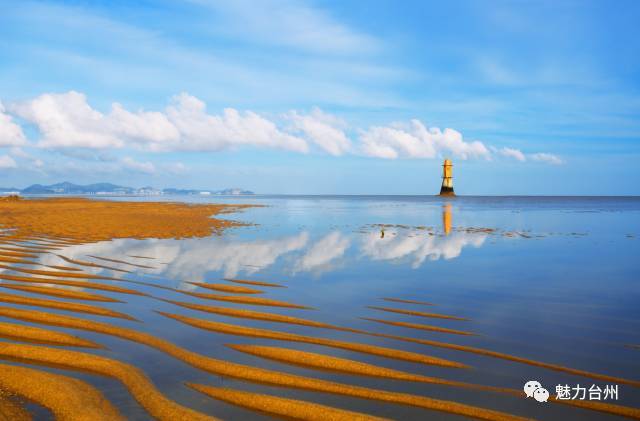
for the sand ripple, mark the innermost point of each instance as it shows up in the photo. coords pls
(141, 388)
(287, 408)
(69, 399)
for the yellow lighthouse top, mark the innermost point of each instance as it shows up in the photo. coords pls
(446, 173)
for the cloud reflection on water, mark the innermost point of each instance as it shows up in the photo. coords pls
(194, 259)
(417, 247)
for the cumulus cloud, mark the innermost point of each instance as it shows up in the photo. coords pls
(415, 140)
(67, 121)
(7, 162)
(547, 157)
(10, 133)
(513, 153)
(202, 131)
(518, 155)
(325, 130)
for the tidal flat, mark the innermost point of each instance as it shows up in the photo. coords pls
(318, 307)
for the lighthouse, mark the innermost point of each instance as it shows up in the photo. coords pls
(447, 179)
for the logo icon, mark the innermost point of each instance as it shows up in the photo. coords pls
(541, 394)
(534, 389)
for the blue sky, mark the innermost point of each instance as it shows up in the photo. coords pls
(348, 97)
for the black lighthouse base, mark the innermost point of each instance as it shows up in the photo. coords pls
(446, 191)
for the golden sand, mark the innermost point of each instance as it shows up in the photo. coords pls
(17, 250)
(417, 313)
(141, 388)
(256, 301)
(324, 362)
(62, 267)
(480, 351)
(254, 374)
(12, 411)
(95, 220)
(121, 262)
(50, 241)
(90, 264)
(234, 289)
(284, 336)
(62, 305)
(60, 292)
(43, 336)
(256, 283)
(514, 358)
(400, 300)
(420, 326)
(16, 260)
(79, 284)
(57, 274)
(257, 315)
(17, 254)
(69, 399)
(283, 407)
(343, 365)
(28, 247)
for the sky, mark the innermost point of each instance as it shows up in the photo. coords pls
(323, 97)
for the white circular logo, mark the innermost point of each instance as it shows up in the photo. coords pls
(530, 387)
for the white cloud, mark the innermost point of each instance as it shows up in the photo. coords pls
(7, 162)
(206, 132)
(133, 165)
(547, 157)
(513, 153)
(68, 121)
(325, 130)
(415, 140)
(152, 127)
(10, 133)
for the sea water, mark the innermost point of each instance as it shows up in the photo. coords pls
(550, 279)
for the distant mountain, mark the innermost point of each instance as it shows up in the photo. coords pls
(67, 187)
(70, 188)
(37, 189)
(8, 189)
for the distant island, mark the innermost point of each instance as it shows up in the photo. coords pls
(113, 189)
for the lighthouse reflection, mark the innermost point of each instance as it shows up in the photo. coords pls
(446, 218)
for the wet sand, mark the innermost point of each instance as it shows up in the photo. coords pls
(94, 220)
(67, 398)
(286, 408)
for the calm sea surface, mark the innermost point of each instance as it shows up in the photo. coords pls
(550, 279)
